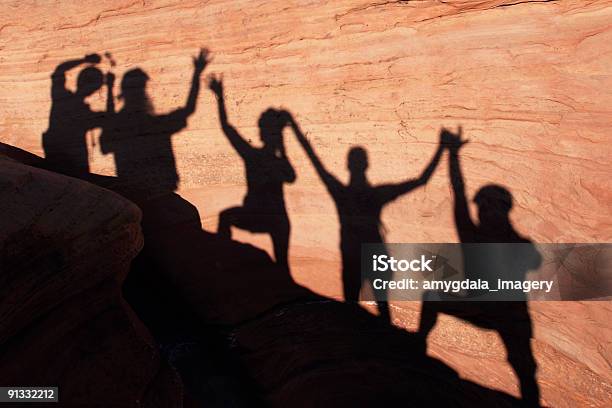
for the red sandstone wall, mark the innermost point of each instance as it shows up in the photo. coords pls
(529, 82)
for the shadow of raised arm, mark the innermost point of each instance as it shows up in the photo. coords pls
(465, 226)
(391, 192)
(58, 77)
(240, 145)
(330, 181)
(199, 64)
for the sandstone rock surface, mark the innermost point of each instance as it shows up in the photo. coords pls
(529, 82)
(291, 346)
(65, 249)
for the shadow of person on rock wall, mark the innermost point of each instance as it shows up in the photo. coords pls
(267, 170)
(359, 205)
(139, 139)
(64, 142)
(509, 318)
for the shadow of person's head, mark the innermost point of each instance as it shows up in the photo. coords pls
(357, 162)
(134, 91)
(271, 124)
(89, 81)
(494, 204)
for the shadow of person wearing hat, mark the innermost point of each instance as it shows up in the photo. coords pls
(509, 318)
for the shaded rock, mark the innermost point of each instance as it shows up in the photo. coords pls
(66, 247)
(288, 345)
(325, 353)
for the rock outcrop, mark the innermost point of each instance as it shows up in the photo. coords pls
(66, 248)
(291, 346)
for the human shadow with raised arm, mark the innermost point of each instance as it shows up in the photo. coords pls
(359, 205)
(499, 253)
(267, 169)
(139, 139)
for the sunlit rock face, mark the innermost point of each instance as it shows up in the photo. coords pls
(528, 81)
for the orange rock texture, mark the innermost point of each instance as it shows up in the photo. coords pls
(529, 82)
